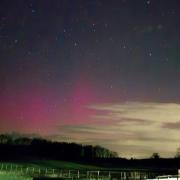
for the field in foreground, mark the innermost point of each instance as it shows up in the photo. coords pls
(64, 169)
(43, 164)
(12, 176)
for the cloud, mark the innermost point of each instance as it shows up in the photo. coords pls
(175, 126)
(143, 127)
(142, 110)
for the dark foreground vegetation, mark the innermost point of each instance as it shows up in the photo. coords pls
(24, 148)
(29, 149)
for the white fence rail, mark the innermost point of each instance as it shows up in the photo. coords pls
(34, 172)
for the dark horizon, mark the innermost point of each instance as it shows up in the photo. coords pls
(16, 139)
(32, 148)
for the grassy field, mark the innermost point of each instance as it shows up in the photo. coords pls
(12, 176)
(51, 168)
(64, 165)
(53, 164)
(12, 170)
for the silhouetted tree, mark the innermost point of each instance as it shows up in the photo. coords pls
(22, 141)
(5, 139)
(40, 148)
(177, 153)
(155, 156)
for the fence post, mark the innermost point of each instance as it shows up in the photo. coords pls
(69, 174)
(98, 174)
(124, 175)
(33, 170)
(78, 174)
(39, 171)
(27, 170)
(1, 166)
(60, 173)
(109, 174)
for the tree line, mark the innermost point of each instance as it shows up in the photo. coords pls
(24, 148)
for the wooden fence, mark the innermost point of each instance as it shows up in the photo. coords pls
(35, 172)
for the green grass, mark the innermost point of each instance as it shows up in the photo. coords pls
(10, 171)
(64, 165)
(43, 164)
(12, 176)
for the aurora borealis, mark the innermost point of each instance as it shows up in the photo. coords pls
(92, 71)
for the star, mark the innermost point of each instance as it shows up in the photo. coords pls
(148, 2)
(33, 10)
(15, 41)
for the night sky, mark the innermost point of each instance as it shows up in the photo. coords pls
(93, 72)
